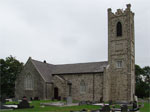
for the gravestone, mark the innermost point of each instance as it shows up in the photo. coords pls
(135, 106)
(14, 99)
(31, 98)
(89, 102)
(69, 98)
(110, 102)
(24, 104)
(101, 100)
(36, 98)
(105, 108)
(82, 103)
(124, 108)
(52, 99)
(59, 98)
(64, 98)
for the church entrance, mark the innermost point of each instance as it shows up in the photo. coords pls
(55, 93)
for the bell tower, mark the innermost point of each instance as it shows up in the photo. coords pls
(121, 54)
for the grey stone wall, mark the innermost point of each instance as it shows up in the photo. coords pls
(49, 91)
(93, 82)
(61, 84)
(38, 86)
(122, 80)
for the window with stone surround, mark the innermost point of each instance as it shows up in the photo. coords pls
(28, 82)
(119, 64)
(119, 29)
(82, 87)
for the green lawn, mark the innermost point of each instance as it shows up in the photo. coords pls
(146, 107)
(38, 108)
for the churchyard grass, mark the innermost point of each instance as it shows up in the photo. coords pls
(38, 108)
(146, 107)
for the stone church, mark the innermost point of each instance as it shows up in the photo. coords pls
(108, 80)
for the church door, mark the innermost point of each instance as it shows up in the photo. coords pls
(55, 93)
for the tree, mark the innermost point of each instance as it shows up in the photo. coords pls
(9, 70)
(147, 80)
(142, 81)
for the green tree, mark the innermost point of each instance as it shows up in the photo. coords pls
(9, 70)
(142, 81)
(147, 80)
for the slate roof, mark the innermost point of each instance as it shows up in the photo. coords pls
(46, 70)
(91, 67)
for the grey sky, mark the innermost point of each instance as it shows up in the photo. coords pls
(67, 31)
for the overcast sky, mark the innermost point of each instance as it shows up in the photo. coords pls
(67, 31)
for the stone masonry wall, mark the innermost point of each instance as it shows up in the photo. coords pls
(38, 86)
(93, 82)
(121, 48)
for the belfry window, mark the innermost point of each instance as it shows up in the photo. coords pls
(82, 87)
(119, 64)
(119, 29)
(28, 82)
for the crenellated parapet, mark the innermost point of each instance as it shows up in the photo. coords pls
(120, 12)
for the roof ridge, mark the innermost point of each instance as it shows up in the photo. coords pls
(82, 63)
(41, 62)
(70, 63)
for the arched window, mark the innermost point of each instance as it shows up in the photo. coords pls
(119, 29)
(28, 82)
(82, 87)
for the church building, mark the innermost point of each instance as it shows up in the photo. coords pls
(93, 81)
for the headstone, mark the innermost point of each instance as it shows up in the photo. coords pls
(64, 98)
(101, 100)
(24, 103)
(69, 100)
(14, 99)
(124, 108)
(135, 106)
(136, 98)
(105, 108)
(52, 98)
(110, 102)
(88, 102)
(82, 103)
(59, 98)
(31, 98)
(9, 100)
(36, 98)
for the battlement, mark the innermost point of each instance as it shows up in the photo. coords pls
(120, 11)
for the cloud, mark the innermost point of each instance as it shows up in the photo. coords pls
(68, 31)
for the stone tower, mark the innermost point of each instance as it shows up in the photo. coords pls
(121, 54)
